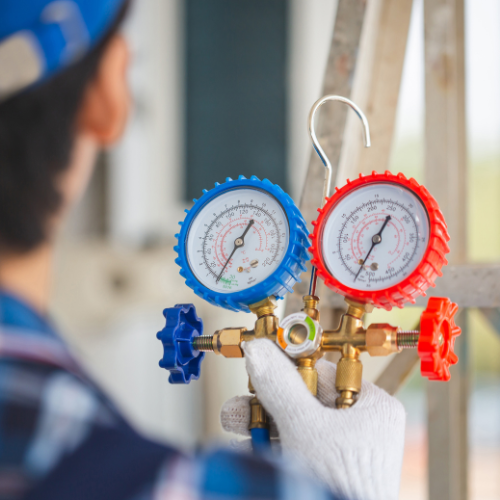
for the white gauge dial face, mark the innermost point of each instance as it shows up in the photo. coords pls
(375, 236)
(237, 240)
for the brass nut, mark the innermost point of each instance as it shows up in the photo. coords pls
(345, 400)
(311, 303)
(381, 339)
(309, 375)
(357, 309)
(266, 327)
(264, 307)
(349, 374)
(258, 416)
(228, 342)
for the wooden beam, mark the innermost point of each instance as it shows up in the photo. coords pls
(338, 79)
(445, 173)
(493, 316)
(469, 285)
(447, 406)
(377, 92)
(365, 64)
(398, 370)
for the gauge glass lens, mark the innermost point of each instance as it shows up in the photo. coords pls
(237, 240)
(375, 236)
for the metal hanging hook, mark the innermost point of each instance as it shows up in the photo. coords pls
(316, 144)
(324, 158)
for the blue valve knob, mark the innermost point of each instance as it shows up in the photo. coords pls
(179, 356)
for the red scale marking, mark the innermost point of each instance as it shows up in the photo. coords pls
(358, 248)
(395, 251)
(225, 236)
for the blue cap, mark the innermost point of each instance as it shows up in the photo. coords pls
(40, 37)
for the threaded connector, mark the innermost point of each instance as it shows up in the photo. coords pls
(408, 339)
(203, 343)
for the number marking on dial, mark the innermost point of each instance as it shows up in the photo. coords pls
(362, 257)
(218, 255)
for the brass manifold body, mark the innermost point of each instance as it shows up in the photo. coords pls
(227, 342)
(351, 338)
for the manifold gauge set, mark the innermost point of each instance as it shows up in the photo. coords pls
(380, 241)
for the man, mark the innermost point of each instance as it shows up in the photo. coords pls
(63, 96)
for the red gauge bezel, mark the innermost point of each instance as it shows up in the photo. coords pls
(422, 277)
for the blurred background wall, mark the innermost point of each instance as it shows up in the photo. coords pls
(223, 88)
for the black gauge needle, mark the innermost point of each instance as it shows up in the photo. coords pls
(238, 242)
(376, 239)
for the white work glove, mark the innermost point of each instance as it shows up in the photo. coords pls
(357, 451)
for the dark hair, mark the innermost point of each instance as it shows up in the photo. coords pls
(37, 131)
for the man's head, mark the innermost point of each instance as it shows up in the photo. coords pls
(50, 134)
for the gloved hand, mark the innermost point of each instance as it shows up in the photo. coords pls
(358, 451)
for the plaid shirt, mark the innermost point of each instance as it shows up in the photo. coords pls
(61, 437)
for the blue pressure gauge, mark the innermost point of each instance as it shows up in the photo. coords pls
(242, 241)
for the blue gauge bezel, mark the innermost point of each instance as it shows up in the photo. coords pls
(281, 280)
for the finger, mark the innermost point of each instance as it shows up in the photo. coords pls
(278, 385)
(369, 395)
(235, 417)
(327, 393)
(372, 396)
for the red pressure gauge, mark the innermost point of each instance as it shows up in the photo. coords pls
(380, 239)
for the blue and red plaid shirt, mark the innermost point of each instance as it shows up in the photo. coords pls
(62, 438)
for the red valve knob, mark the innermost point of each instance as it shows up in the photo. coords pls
(437, 339)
